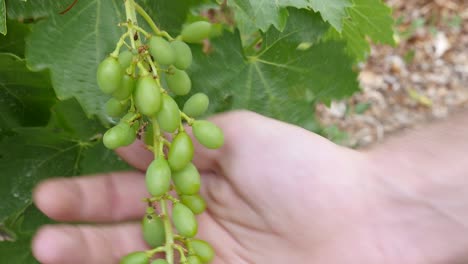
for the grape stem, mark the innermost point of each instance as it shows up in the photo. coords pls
(151, 23)
(119, 45)
(187, 118)
(163, 203)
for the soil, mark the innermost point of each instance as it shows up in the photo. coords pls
(424, 78)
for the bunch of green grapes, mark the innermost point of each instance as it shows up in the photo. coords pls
(142, 81)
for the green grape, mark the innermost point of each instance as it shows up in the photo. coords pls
(125, 59)
(147, 96)
(119, 136)
(196, 32)
(196, 105)
(179, 82)
(184, 220)
(114, 108)
(158, 177)
(161, 51)
(130, 133)
(196, 203)
(184, 57)
(169, 115)
(194, 260)
(109, 75)
(153, 230)
(126, 87)
(159, 261)
(208, 134)
(135, 258)
(203, 250)
(187, 180)
(181, 152)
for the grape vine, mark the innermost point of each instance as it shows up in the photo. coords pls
(135, 74)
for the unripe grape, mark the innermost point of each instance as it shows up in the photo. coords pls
(169, 115)
(180, 152)
(183, 54)
(196, 105)
(147, 96)
(109, 75)
(187, 180)
(158, 177)
(208, 134)
(194, 260)
(161, 51)
(114, 108)
(196, 203)
(196, 32)
(135, 258)
(203, 250)
(179, 82)
(159, 261)
(184, 220)
(126, 88)
(131, 132)
(119, 136)
(125, 59)
(153, 230)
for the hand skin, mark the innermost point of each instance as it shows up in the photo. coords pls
(279, 194)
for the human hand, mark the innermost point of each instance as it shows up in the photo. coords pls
(276, 194)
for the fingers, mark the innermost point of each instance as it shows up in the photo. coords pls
(102, 198)
(63, 244)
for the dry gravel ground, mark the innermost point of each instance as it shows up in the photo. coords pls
(423, 79)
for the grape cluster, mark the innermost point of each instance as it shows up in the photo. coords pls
(142, 82)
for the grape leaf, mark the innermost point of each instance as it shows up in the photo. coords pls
(14, 41)
(18, 252)
(24, 224)
(31, 154)
(3, 22)
(367, 18)
(281, 81)
(333, 11)
(72, 45)
(169, 15)
(25, 96)
(34, 10)
(252, 15)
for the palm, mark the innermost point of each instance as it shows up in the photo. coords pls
(274, 192)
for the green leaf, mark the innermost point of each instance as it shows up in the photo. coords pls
(72, 45)
(281, 81)
(3, 22)
(18, 252)
(34, 10)
(252, 15)
(14, 41)
(29, 155)
(169, 15)
(333, 11)
(373, 19)
(25, 96)
(367, 18)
